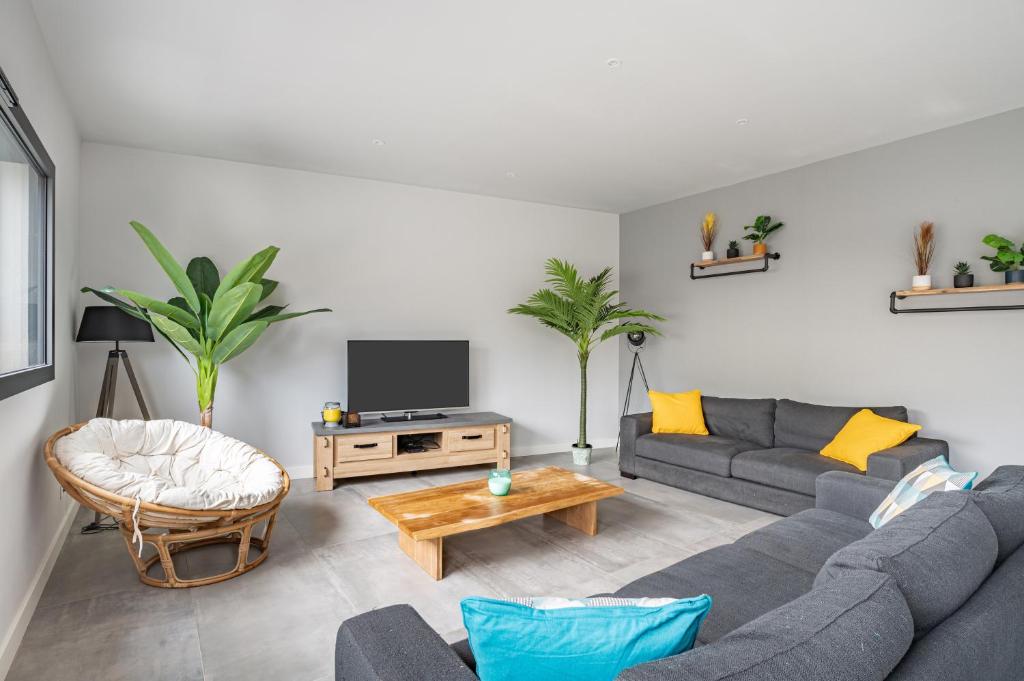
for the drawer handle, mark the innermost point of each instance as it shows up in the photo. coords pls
(368, 445)
(472, 437)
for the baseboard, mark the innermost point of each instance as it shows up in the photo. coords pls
(298, 472)
(12, 639)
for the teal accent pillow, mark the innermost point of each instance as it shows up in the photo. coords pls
(934, 475)
(590, 639)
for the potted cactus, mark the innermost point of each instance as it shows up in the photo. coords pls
(1008, 258)
(962, 277)
(734, 249)
(759, 232)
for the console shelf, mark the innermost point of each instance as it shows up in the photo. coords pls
(994, 288)
(704, 264)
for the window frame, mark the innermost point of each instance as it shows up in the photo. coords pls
(14, 382)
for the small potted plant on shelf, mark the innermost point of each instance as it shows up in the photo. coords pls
(759, 232)
(962, 277)
(924, 250)
(1008, 258)
(734, 249)
(708, 232)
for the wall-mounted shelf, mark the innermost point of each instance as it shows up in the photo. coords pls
(997, 288)
(705, 264)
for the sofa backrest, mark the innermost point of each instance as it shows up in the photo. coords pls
(741, 419)
(1000, 497)
(812, 426)
(984, 639)
(855, 627)
(939, 551)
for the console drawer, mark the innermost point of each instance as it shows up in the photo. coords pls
(362, 447)
(471, 439)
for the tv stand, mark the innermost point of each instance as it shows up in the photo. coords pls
(381, 446)
(412, 416)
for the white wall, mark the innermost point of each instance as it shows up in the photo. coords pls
(393, 261)
(34, 514)
(817, 326)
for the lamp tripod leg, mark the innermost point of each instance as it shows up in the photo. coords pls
(104, 408)
(135, 385)
(629, 391)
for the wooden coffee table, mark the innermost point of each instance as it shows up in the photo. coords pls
(425, 517)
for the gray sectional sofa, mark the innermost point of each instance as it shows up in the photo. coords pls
(937, 593)
(761, 453)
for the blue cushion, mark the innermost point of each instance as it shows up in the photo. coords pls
(588, 639)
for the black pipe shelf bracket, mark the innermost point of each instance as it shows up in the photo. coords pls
(999, 288)
(704, 264)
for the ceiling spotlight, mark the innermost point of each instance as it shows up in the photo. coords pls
(742, 121)
(614, 63)
(377, 142)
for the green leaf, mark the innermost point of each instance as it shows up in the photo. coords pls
(236, 342)
(177, 334)
(204, 275)
(123, 306)
(268, 311)
(231, 308)
(998, 242)
(291, 315)
(174, 271)
(251, 270)
(268, 287)
(186, 319)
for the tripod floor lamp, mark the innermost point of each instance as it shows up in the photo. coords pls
(636, 344)
(108, 324)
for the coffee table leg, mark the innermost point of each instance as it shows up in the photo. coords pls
(426, 553)
(582, 517)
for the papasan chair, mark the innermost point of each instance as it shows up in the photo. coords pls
(174, 485)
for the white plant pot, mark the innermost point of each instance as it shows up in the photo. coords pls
(581, 455)
(921, 282)
(707, 255)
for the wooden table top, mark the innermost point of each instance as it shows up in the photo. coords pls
(467, 506)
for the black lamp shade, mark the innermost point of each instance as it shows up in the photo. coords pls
(106, 323)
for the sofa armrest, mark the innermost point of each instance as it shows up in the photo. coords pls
(851, 494)
(893, 464)
(631, 427)
(395, 644)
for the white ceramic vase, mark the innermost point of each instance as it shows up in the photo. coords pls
(707, 255)
(581, 455)
(921, 282)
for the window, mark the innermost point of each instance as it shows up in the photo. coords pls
(26, 251)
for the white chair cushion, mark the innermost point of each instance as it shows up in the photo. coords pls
(172, 463)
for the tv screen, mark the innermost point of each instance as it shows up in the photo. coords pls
(407, 375)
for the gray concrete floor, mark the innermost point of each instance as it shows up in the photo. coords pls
(331, 557)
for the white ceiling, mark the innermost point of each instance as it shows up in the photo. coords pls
(516, 99)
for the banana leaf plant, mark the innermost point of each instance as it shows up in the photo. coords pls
(582, 310)
(214, 319)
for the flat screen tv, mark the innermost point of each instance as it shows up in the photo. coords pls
(400, 375)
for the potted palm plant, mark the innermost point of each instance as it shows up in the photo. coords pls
(582, 310)
(213, 319)
(708, 232)
(1008, 258)
(962, 277)
(759, 232)
(924, 250)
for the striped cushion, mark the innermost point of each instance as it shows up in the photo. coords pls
(932, 476)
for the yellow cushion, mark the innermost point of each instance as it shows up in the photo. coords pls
(864, 434)
(677, 413)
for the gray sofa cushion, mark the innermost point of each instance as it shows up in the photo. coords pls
(1000, 497)
(812, 426)
(786, 468)
(740, 419)
(806, 540)
(939, 551)
(984, 639)
(742, 583)
(707, 453)
(853, 629)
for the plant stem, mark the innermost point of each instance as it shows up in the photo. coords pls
(582, 442)
(206, 386)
